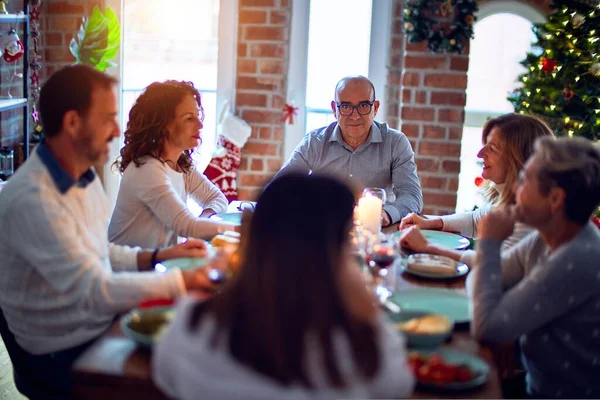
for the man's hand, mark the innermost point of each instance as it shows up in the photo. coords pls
(207, 212)
(191, 248)
(197, 278)
(413, 219)
(385, 218)
(413, 239)
(496, 225)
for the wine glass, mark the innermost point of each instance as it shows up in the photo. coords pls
(381, 260)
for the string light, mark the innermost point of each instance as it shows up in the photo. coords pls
(577, 78)
(567, 120)
(552, 107)
(537, 90)
(571, 133)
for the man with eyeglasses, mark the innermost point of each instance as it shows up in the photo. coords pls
(366, 152)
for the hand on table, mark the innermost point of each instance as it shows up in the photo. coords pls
(198, 279)
(385, 218)
(413, 239)
(413, 219)
(497, 225)
(190, 248)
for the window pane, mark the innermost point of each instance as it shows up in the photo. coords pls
(338, 45)
(501, 41)
(163, 41)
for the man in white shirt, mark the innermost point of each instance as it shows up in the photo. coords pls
(61, 281)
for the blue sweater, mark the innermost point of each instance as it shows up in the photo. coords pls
(551, 302)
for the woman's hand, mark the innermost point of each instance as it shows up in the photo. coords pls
(413, 219)
(413, 239)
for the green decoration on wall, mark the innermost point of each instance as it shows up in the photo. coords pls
(422, 21)
(98, 40)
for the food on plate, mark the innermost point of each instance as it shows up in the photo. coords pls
(428, 324)
(433, 369)
(226, 239)
(151, 323)
(432, 264)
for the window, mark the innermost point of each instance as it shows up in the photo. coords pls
(503, 36)
(188, 40)
(331, 39)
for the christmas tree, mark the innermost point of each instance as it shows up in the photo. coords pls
(562, 81)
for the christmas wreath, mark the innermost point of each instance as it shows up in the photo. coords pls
(420, 24)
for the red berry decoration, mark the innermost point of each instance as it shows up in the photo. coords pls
(548, 65)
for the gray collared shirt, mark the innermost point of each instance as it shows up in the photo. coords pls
(385, 160)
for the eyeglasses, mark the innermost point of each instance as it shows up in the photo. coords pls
(363, 108)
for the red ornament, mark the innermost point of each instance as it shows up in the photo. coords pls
(596, 221)
(548, 65)
(479, 181)
(568, 94)
(289, 111)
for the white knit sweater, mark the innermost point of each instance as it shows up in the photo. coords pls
(61, 282)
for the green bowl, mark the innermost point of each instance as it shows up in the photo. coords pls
(419, 339)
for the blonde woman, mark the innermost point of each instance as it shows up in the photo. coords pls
(507, 144)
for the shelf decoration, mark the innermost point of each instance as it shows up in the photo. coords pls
(12, 47)
(36, 66)
(422, 21)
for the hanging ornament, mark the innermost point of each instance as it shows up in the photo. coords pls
(595, 69)
(12, 48)
(408, 27)
(577, 20)
(568, 94)
(548, 65)
(289, 112)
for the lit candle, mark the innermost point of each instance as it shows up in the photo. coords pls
(369, 212)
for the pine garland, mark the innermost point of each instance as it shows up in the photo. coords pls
(419, 24)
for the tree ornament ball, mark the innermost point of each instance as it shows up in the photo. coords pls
(577, 20)
(548, 65)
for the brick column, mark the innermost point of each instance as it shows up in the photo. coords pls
(262, 66)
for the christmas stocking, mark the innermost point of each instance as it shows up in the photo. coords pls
(222, 171)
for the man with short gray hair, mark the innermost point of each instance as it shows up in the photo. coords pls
(365, 152)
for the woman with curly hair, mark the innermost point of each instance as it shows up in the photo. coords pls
(158, 172)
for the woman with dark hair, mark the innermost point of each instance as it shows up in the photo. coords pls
(296, 321)
(158, 173)
(508, 141)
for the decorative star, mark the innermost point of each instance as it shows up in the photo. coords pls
(34, 14)
(35, 79)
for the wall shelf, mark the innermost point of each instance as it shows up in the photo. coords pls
(9, 104)
(13, 18)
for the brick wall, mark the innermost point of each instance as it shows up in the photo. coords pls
(262, 66)
(426, 100)
(60, 21)
(11, 122)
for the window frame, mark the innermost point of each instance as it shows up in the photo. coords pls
(381, 21)
(227, 64)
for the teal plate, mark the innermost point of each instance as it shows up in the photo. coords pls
(182, 263)
(135, 324)
(479, 368)
(232, 217)
(436, 301)
(445, 239)
(461, 270)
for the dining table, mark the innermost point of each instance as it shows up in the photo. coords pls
(116, 367)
